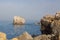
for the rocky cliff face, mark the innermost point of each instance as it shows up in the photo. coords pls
(18, 20)
(51, 25)
(46, 24)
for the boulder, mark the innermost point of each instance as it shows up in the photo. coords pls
(18, 20)
(25, 36)
(2, 36)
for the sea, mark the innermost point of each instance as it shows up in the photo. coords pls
(16, 30)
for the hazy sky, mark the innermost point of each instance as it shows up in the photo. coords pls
(29, 9)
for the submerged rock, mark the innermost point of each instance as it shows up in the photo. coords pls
(2, 36)
(18, 20)
(25, 36)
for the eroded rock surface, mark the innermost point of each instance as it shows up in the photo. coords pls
(51, 25)
(18, 20)
(46, 24)
(25, 36)
(2, 36)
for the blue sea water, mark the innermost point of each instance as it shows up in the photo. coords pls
(16, 30)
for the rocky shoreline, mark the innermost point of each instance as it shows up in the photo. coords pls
(50, 29)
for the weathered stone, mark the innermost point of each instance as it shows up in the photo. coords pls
(55, 26)
(14, 39)
(43, 37)
(2, 36)
(25, 36)
(57, 15)
(46, 23)
(51, 25)
(18, 20)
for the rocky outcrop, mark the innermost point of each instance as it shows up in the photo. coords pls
(18, 20)
(46, 37)
(2, 36)
(51, 25)
(43, 37)
(57, 15)
(14, 39)
(46, 24)
(25, 36)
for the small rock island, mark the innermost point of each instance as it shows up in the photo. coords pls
(17, 20)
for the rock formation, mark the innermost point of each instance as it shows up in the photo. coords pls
(14, 39)
(2, 36)
(46, 23)
(25, 36)
(57, 15)
(18, 20)
(43, 37)
(51, 25)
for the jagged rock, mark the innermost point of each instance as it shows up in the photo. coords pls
(14, 39)
(46, 23)
(25, 36)
(57, 15)
(43, 37)
(55, 26)
(18, 20)
(2, 36)
(51, 25)
(46, 37)
(47, 19)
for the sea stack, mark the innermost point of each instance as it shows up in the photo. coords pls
(17, 20)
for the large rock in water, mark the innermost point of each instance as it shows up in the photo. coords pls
(2, 36)
(25, 36)
(18, 20)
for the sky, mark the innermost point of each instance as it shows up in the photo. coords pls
(29, 9)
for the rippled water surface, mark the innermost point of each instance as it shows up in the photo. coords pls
(16, 30)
